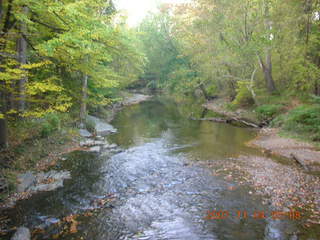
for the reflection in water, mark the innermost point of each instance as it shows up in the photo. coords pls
(141, 123)
(158, 194)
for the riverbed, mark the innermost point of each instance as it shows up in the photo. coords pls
(155, 186)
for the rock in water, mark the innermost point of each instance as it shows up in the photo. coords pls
(135, 99)
(50, 181)
(42, 181)
(101, 128)
(22, 233)
(25, 180)
(95, 149)
(85, 133)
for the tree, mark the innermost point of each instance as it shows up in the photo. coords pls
(57, 53)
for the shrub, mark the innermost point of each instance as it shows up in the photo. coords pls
(278, 121)
(244, 97)
(90, 125)
(268, 112)
(50, 124)
(304, 120)
(315, 99)
(212, 90)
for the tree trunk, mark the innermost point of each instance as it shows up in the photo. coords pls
(3, 134)
(308, 11)
(3, 102)
(317, 89)
(83, 108)
(267, 71)
(267, 66)
(3, 121)
(317, 82)
(251, 87)
(1, 10)
(22, 58)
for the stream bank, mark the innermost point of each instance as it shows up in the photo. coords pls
(286, 171)
(162, 184)
(305, 153)
(269, 140)
(41, 176)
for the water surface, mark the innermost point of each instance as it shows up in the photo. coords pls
(159, 190)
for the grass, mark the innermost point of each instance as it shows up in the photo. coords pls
(268, 112)
(302, 122)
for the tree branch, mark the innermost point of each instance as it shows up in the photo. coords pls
(60, 30)
(61, 19)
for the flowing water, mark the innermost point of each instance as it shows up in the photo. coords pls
(157, 188)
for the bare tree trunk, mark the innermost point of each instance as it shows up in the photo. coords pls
(83, 108)
(308, 5)
(3, 101)
(3, 134)
(22, 58)
(3, 121)
(267, 66)
(317, 82)
(267, 71)
(1, 10)
(317, 89)
(251, 87)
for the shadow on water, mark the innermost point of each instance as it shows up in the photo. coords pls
(159, 195)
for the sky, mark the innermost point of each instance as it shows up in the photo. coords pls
(138, 9)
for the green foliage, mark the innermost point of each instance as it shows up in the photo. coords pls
(244, 96)
(303, 120)
(231, 106)
(305, 77)
(268, 112)
(46, 49)
(220, 43)
(166, 67)
(212, 90)
(90, 125)
(50, 123)
(315, 99)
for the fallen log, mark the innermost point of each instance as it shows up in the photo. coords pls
(219, 120)
(227, 120)
(245, 122)
(299, 162)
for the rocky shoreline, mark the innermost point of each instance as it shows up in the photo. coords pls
(32, 182)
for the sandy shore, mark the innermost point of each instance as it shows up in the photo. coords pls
(269, 140)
